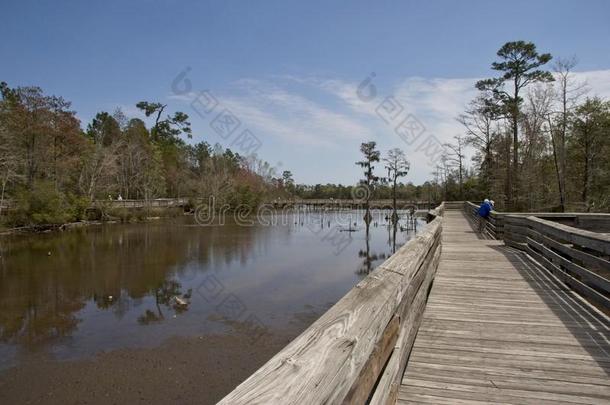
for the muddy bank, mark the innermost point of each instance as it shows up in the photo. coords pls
(36, 229)
(183, 370)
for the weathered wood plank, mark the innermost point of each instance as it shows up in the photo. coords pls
(555, 391)
(527, 374)
(598, 242)
(365, 382)
(491, 393)
(595, 262)
(483, 379)
(389, 382)
(588, 276)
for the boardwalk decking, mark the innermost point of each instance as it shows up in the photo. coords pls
(498, 329)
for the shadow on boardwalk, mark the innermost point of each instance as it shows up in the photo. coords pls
(590, 327)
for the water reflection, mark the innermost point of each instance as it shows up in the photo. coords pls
(99, 288)
(169, 295)
(406, 222)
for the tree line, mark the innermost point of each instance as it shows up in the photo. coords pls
(51, 169)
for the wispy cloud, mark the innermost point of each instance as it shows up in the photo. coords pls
(274, 111)
(344, 91)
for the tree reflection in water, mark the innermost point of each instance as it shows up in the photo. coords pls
(45, 280)
(370, 260)
(170, 295)
(98, 285)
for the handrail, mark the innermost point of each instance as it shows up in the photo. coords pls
(165, 202)
(130, 203)
(577, 257)
(357, 350)
(494, 226)
(331, 202)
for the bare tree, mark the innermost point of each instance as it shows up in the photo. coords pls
(398, 166)
(9, 164)
(455, 156)
(442, 172)
(480, 125)
(538, 104)
(568, 93)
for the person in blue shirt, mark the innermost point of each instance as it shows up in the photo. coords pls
(484, 210)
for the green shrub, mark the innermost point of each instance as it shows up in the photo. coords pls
(78, 207)
(244, 196)
(42, 205)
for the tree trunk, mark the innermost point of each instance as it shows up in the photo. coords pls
(461, 180)
(509, 185)
(558, 170)
(562, 148)
(515, 174)
(487, 170)
(4, 181)
(585, 188)
(394, 213)
(514, 184)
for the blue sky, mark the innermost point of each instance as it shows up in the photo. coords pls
(289, 71)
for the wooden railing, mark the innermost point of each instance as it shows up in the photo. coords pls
(173, 202)
(596, 222)
(357, 351)
(336, 202)
(577, 257)
(160, 203)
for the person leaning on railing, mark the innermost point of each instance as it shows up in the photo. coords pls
(484, 210)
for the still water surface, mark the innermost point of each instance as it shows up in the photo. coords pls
(71, 295)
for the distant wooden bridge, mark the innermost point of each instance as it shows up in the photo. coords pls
(458, 317)
(332, 203)
(328, 203)
(279, 203)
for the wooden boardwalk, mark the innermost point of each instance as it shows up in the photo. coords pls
(498, 329)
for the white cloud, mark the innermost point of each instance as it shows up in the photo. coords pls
(270, 110)
(436, 103)
(598, 82)
(346, 92)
